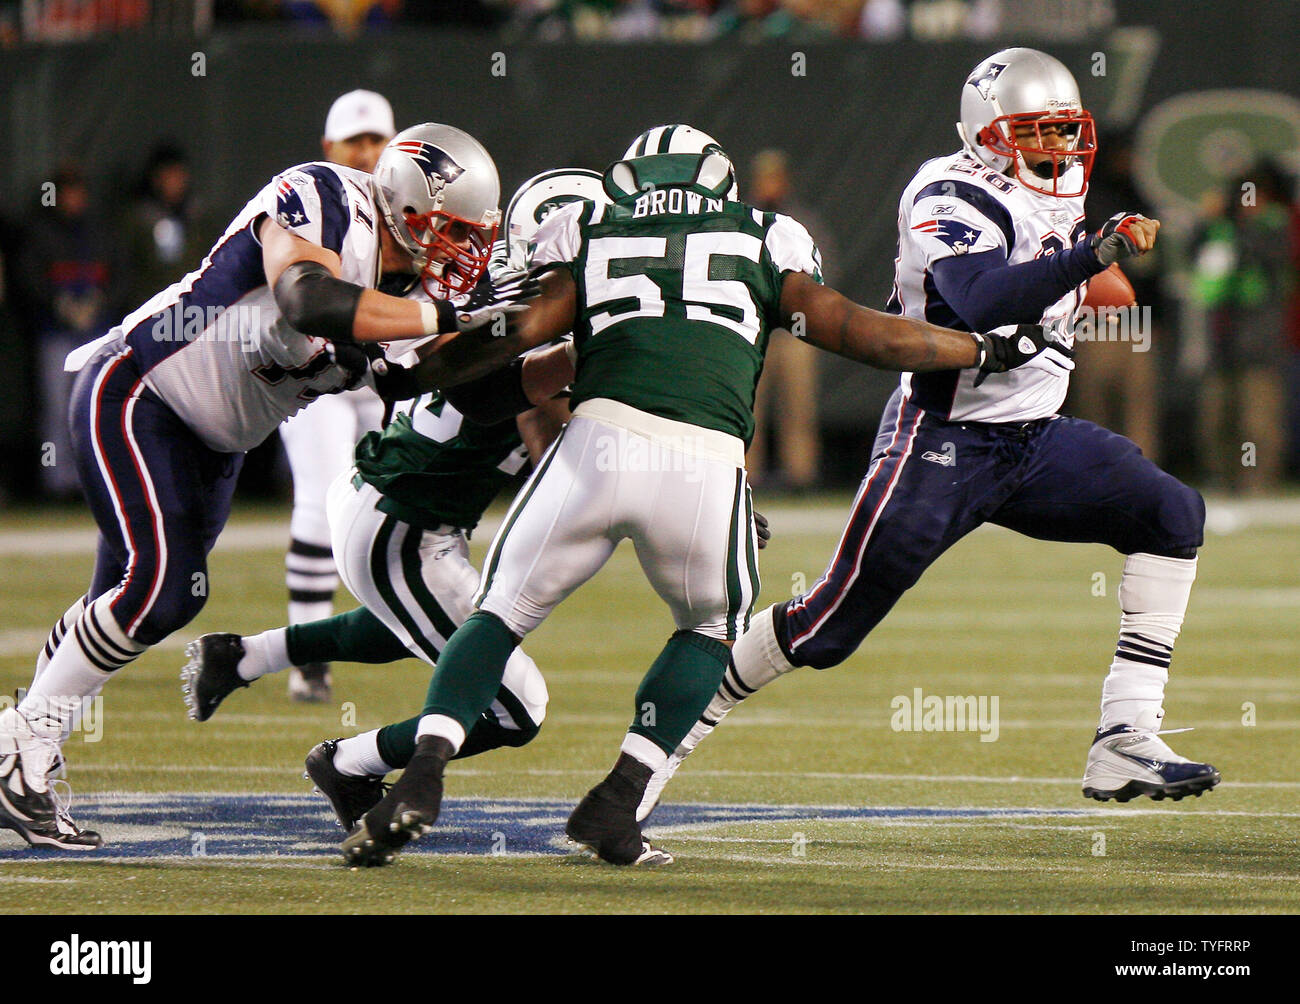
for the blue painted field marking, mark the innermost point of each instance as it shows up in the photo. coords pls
(175, 824)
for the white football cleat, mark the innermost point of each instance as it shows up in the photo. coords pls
(29, 757)
(1127, 761)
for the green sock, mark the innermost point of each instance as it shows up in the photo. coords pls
(678, 688)
(470, 669)
(356, 636)
(397, 741)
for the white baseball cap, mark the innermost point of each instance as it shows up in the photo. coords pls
(359, 112)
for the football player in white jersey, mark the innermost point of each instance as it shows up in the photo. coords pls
(319, 440)
(993, 235)
(167, 402)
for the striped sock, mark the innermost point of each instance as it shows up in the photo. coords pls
(57, 634)
(91, 651)
(311, 578)
(1153, 595)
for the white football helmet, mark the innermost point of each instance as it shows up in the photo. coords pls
(1025, 87)
(438, 191)
(673, 155)
(537, 198)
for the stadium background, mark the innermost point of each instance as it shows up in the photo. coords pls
(1204, 90)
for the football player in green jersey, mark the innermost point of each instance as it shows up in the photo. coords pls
(399, 522)
(671, 291)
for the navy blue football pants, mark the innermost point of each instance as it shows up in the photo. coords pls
(931, 482)
(159, 496)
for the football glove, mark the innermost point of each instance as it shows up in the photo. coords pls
(1114, 241)
(351, 357)
(393, 381)
(763, 530)
(505, 297)
(999, 353)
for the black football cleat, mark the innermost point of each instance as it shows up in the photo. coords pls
(409, 809)
(604, 823)
(350, 797)
(211, 673)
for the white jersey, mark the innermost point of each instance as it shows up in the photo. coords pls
(956, 205)
(214, 347)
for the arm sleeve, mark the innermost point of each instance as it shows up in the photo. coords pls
(987, 292)
(792, 248)
(559, 238)
(309, 201)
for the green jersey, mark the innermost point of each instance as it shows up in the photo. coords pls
(677, 296)
(433, 466)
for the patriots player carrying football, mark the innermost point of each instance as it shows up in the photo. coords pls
(671, 291)
(401, 519)
(994, 235)
(166, 403)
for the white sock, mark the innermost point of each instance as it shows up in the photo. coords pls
(264, 653)
(57, 634)
(92, 649)
(441, 725)
(359, 756)
(644, 751)
(1153, 595)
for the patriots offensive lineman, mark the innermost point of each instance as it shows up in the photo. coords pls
(401, 518)
(671, 292)
(318, 441)
(166, 403)
(995, 235)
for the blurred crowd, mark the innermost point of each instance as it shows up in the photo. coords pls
(70, 270)
(607, 20)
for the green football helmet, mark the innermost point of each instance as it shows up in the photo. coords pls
(671, 155)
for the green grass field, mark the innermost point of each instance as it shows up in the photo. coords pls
(879, 820)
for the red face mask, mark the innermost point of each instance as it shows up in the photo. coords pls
(463, 264)
(999, 136)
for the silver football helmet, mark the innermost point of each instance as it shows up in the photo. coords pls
(537, 198)
(438, 191)
(673, 155)
(1024, 88)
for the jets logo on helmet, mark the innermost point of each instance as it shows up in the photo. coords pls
(438, 168)
(437, 190)
(1021, 115)
(540, 196)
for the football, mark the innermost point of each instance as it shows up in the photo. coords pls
(1110, 288)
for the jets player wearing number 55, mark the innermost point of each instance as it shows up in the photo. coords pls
(994, 235)
(671, 292)
(166, 404)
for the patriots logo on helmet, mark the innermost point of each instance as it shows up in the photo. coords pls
(957, 235)
(289, 211)
(439, 169)
(984, 82)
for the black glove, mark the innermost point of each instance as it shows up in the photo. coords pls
(353, 358)
(999, 353)
(763, 530)
(394, 382)
(506, 296)
(1114, 241)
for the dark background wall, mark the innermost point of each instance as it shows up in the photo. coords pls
(857, 122)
